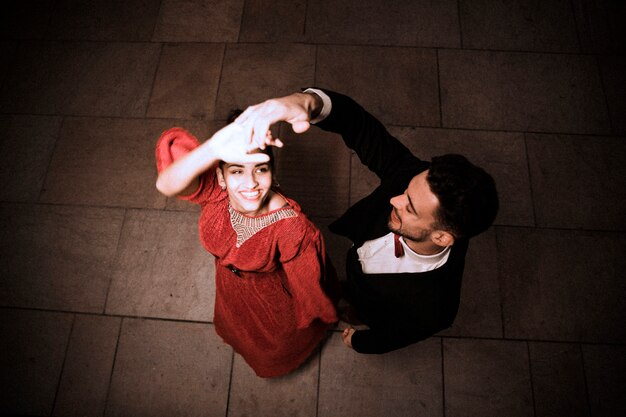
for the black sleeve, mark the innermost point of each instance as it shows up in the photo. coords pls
(382, 153)
(387, 339)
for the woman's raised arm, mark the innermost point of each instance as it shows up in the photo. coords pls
(230, 144)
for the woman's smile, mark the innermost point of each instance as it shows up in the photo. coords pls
(251, 195)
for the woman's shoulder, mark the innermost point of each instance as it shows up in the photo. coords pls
(296, 233)
(277, 201)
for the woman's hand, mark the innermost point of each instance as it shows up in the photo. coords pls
(232, 144)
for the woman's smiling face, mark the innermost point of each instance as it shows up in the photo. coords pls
(248, 186)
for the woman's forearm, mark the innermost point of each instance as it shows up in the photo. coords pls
(184, 171)
(230, 144)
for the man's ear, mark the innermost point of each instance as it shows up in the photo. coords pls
(442, 238)
(220, 178)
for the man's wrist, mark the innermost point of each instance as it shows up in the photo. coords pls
(314, 105)
(320, 106)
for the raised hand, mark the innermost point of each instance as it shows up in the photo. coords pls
(232, 144)
(295, 109)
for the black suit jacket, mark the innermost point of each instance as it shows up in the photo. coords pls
(402, 308)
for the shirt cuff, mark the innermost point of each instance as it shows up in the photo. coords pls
(326, 108)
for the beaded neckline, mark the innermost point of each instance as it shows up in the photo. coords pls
(245, 227)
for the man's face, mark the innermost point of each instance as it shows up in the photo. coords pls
(413, 212)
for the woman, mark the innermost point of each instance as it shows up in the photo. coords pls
(270, 261)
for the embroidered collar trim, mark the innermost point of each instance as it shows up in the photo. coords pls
(246, 227)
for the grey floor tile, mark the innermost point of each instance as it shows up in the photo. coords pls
(81, 78)
(167, 368)
(314, 169)
(199, 21)
(501, 154)
(292, 395)
(25, 19)
(522, 91)
(600, 25)
(130, 20)
(578, 182)
(33, 346)
(605, 368)
(480, 310)
(520, 25)
(397, 85)
(276, 21)
(176, 204)
(161, 269)
(406, 382)
(57, 257)
(27, 146)
(562, 285)
(107, 162)
(88, 365)
(186, 81)
(253, 73)
(558, 380)
(613, 70)
(487, 378)
(410, 23)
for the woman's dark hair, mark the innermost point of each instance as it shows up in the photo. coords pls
(468, 200)
(232, 115)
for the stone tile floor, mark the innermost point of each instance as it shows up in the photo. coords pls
(106, 296)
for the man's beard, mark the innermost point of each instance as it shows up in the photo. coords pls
(422, 236)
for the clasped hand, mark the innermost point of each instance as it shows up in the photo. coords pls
(233, 144)
(257, 119)
(251, 130)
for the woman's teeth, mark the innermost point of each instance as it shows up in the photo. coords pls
(250, 194)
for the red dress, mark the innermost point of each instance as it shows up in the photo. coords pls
(269, 272)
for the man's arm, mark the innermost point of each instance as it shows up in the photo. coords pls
(298, 109)
(377, 341)
(382, 153)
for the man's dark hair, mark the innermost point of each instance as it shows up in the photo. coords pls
(468, 200)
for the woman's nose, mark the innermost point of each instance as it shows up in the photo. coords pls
(251, 181)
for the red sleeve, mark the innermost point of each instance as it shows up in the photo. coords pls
(173, 144)
(303, 257)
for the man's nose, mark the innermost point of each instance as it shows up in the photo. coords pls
(396, 201)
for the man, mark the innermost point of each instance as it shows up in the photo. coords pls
(410, 234)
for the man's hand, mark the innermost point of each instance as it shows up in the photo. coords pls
(347, 336)
(295, 109)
